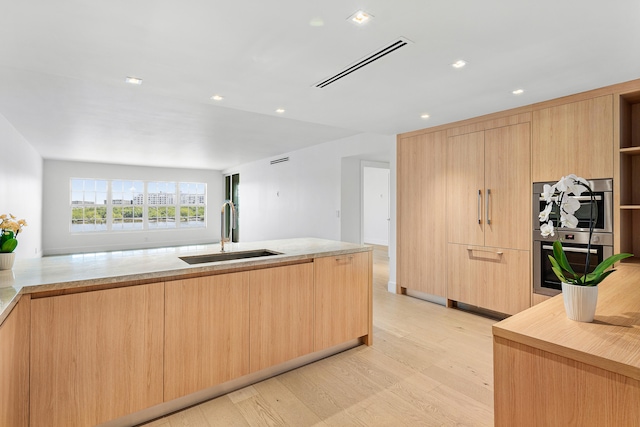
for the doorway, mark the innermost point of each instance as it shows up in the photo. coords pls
(232, 192)
(376, 213)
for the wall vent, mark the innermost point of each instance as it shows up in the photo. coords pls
(372, 57)
(276, 161)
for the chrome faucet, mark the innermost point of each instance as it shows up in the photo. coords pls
(223, 222)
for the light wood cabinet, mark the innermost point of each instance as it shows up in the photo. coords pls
(342, 298)
(281, 314)
(489, 218)
(574, 138)
(421, 189)
(206, 332)
(14, 366)
(96, 356)
(489, 188)
(491, 278)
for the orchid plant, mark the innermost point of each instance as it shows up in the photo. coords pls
(562, 196)
(9, 230)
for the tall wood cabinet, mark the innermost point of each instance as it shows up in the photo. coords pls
(421, 192)
(206, 332)
(489, 218)
(96, 356)
(576, 137)
(14, 366)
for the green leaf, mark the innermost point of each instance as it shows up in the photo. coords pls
(8, 245)
(559, 255)
(609, 262)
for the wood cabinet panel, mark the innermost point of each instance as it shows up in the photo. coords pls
(421, 189)
(14, 366)
(465, 189)
(342, 294)
(206, 332)
(508, 187)
(96, 356)
(535, 387)
(573, 138)
(281, 314)
(491, 278)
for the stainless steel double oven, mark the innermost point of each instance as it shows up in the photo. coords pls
(574, 240)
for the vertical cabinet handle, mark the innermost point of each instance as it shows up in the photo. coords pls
(487, 201)
(479, 206)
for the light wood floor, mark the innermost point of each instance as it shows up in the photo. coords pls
(428, 366)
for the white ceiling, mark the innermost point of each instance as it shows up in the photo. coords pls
(63, 64)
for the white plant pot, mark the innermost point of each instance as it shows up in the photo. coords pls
(580, 301)
(6, 260)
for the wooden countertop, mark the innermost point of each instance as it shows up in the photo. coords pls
(109, 269)
(611, 342)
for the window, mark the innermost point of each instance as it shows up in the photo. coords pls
(125, 205)
(192, 201)
(88, 205)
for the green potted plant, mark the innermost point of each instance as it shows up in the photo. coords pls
(579, 289)
(9, 230)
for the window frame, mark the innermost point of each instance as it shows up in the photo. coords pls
(145, 206)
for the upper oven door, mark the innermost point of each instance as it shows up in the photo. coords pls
(603, 207)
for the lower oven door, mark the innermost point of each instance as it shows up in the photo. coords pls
(545, 280)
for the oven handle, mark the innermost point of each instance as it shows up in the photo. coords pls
(579, 250)
(578, 198)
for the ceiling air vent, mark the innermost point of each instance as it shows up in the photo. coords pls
(392, 47)
(276, 161)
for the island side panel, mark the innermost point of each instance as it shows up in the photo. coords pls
(535, 387)
(14, 366)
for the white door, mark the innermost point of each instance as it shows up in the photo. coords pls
(376, 217)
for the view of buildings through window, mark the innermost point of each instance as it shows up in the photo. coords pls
(121, 205)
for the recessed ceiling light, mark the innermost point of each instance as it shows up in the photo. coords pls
(360, 17)
(217, 97)
(133, 80)
(280, 110)
(425, 116)
(459, 63)
(316, 22)
(518, 92)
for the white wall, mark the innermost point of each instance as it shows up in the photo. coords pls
(21, 188)
(58, 240)
(303, 197)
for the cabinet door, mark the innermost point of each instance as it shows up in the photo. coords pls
(465, 188)
(505, 279)
(342, 295)
(206, 332)
(493, 278)
(96, 356)
(281, 314)
(14, 366)
(508, 187)
(422, 187)
(573, 138)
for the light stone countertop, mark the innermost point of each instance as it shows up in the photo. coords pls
(59, 273)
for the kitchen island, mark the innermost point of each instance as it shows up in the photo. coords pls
(119, 338)
(552, 371)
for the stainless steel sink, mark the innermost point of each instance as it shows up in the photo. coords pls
(227, 256)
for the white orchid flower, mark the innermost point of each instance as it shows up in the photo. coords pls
(546, 229)
(568, 220)
(569, 204)
(548, 191)
(564, 183)
(544, 215)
